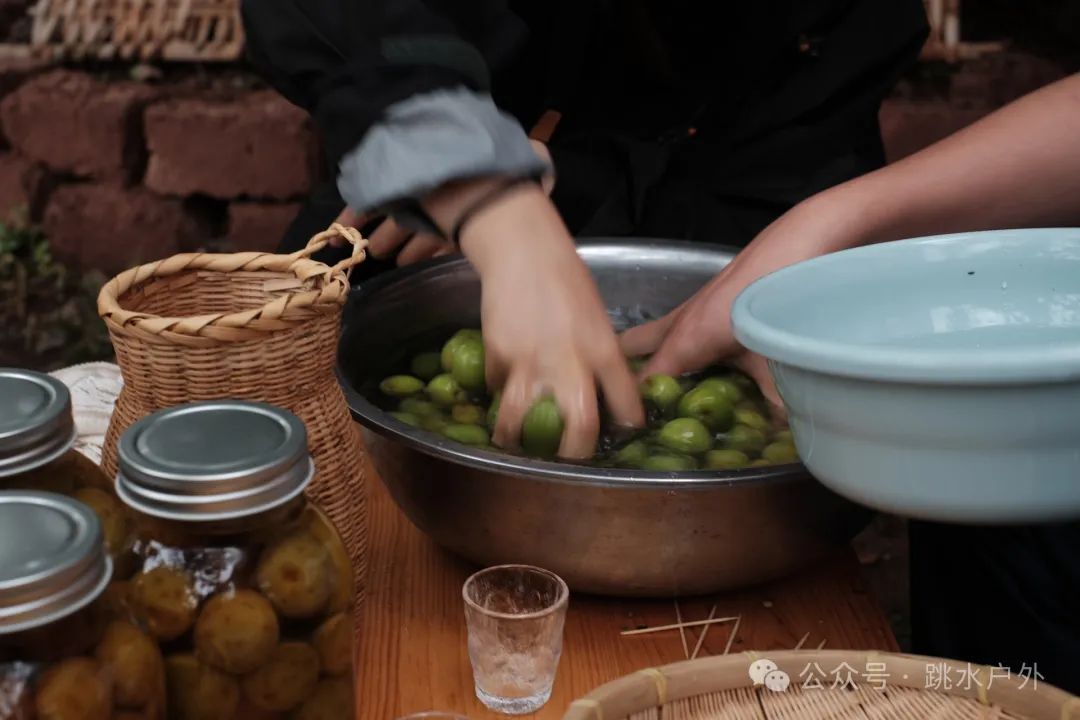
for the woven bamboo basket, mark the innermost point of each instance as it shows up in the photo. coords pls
(245, 326)
(832, 684)
(176, 30)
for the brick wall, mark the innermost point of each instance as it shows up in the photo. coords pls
(121, 172)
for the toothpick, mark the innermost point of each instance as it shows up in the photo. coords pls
(802, 640)
(821, 645)
(682, 630)
(734, 632)
(704, 632)
(676, 626)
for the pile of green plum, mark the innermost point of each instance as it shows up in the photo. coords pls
(715, 420)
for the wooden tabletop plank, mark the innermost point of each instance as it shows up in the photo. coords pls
(412, 655)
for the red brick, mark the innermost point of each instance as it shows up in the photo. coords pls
(77, 125)
(22, 186)
(256, 146)
(259, 226)
(110, 228)
(908, 126)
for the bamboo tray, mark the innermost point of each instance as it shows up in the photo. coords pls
(833, 684)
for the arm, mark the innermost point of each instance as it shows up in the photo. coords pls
(1017, 167)
(401, 101)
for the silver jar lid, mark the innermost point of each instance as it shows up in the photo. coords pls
(213, 461)
(36, 425)
(52, 558)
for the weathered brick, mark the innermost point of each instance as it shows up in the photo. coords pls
(908, 126)
(256, 146)
(259, 226)
(77, 125)
(110, 228)
(23, 185)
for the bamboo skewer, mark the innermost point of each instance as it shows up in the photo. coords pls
(678, 625)
(821, 645)
(704, 632)
(682, 630)
(734, 632)
(802, 640)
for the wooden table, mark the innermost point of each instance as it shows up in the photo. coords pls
(412, 655)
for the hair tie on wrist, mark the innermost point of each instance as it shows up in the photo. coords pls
(484, 201)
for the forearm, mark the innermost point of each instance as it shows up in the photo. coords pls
(1017, 167)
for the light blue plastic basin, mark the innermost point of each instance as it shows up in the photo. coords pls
(937, 378)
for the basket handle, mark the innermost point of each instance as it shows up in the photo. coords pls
(337, 230)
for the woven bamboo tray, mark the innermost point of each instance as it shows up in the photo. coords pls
(180, 30)
(826, 684)
(245, 326)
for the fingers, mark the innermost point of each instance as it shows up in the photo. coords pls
(518, 395)
(757, 367)
(387, 238)
(620, 389)
(645, 339)
(576, 396)
(420, 247)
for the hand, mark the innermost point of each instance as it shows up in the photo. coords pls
(699, 332)
(389, 236)
(545, 328)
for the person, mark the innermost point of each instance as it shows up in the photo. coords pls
(989, 595)
(663, 119)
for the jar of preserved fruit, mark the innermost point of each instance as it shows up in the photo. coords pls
(66, 650)
(37, 438)
(245, 585)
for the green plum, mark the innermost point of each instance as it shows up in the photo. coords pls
(783, 436)
(433, 423)
(444, 390)
(669, 462)
(466, 434)
(632, 455)
(493, 411)
(467, 414)
(467, 365)
(419, 408)
(663, 391)
(542, 428)
(727, 388)
(407, 418)
(752, 418)
(401, 385)
(760, 462)
(446, 357)
(706, 404)
(780, 453)
(743, 437)
(726, 459)
(685, 435)
(426, 365)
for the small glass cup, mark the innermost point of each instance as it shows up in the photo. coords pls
(515, 616)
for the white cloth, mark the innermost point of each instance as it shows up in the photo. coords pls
(94, 389)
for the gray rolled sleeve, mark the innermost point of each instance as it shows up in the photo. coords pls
(431, 139)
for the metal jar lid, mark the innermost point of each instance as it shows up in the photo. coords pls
(36, 425)
(213, 461)
(52, 558)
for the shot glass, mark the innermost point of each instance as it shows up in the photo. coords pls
(515, 616)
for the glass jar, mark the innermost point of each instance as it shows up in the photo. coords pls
(244, 584)
(66, 650)
(37, 438)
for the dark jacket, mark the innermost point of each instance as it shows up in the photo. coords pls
(676, 113)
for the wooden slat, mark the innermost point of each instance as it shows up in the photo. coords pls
(412, 654)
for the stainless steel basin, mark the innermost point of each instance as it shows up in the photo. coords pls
(604, 531)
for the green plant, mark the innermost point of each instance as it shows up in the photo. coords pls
(48, 315)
